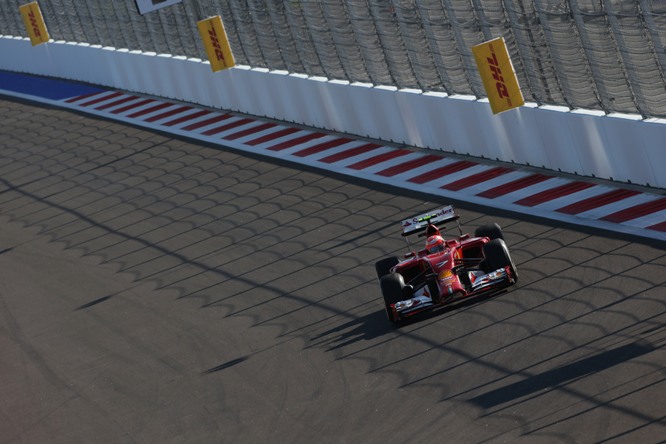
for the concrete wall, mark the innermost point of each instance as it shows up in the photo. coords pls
(624, 148)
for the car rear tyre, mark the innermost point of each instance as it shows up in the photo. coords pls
(384, 266)
(392, 291)
(490, 231)
(497, 256)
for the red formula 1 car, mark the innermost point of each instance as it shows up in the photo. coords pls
(445, 270)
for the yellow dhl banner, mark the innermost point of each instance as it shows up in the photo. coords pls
(34, 23)
(498, 75)
(215, 40)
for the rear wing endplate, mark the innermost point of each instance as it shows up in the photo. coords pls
(436, 217)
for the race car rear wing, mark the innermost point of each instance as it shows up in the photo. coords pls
(438, 217)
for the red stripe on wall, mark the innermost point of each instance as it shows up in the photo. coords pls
(169, 113)
(597, 201)
(247, 132)
(297, 141)
(351, 152)
(476, 178)
(637, 211)
(272, 136)
(514, 185)
(442, 171)
(554, 193)
(416, 163)
(322, 147)
(367, 163)
(187, 117)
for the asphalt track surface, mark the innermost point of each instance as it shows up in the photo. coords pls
(155, 289)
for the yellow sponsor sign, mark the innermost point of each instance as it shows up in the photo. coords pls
(498, 75)
(215, 40)
(34, 23)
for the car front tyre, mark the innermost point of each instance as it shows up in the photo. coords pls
(490, 231)
(392, 291)
(497, 256)
(384, 266)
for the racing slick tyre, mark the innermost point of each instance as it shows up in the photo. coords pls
(392, 285)
(384, 266)
(497, 256)
(490, 231)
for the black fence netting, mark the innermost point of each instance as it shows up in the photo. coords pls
(593, 54)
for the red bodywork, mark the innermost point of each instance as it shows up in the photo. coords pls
(450, 270)
(444, 276)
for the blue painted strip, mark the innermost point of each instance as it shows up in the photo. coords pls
(43, 87)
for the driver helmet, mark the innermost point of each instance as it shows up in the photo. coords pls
(435, 244)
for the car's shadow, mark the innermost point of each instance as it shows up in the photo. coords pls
(376, 324)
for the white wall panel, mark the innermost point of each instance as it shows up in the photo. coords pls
(296, 106)
(580, 142)
(521, 137)
(557, 140)
(386, 112)
(653, 135)
(589, 146)
(467, 133)
(624, 153)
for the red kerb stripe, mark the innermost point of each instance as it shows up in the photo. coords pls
(514, 185)
(132, 106)
(117, 102)
(351, 152)
(637, 211)
(207, 122)
(228, 126)
(322, 147)
(272, 136)
(379, 159)
(416, 163)
(554, 193)
(83, 97)
(297, 141)
(169, 113)
(442, 171)
(101, 99)
(476, 178)
(658, 227)
(247, 132)
(187, 117)
(597, 201)
(149, 110)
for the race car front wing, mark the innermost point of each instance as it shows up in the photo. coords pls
(491, 281)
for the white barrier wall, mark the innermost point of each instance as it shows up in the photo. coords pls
(622, 148)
